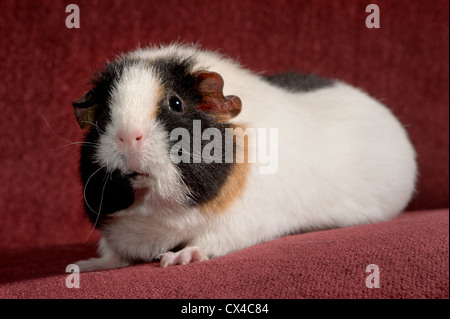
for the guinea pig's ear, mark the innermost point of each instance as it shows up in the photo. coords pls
(210, 87)
(84, 109)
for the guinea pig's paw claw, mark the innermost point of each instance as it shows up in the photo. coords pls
(183, 257)
(167, 258)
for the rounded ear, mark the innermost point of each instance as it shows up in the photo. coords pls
(84, 109)
(210, 87)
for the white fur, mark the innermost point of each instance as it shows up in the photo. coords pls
(344, 160)
(133, 99)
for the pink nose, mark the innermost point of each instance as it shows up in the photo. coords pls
(134, 139)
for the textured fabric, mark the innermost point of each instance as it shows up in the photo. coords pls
(44, 67)
(410, 251)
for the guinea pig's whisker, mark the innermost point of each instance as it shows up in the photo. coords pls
(85, 187)
(100, 205)
(77, 143)
(188, 191)
(192, 155)
(99, 130)
(69, 143)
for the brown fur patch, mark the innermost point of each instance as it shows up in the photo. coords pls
(234, 186)
(161, 93)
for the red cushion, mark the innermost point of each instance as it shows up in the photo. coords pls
(410, 251)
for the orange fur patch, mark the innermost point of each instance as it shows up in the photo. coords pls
(233, 187)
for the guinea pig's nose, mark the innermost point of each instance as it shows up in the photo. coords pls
(133, 139)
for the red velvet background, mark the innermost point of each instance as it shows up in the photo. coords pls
(44, 66)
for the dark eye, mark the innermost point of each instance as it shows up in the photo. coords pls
(175, 103)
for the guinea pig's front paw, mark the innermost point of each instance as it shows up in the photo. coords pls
(183, 257)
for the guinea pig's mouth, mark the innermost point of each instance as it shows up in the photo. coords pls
(137, 176)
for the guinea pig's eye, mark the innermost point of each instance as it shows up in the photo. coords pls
(175, 103)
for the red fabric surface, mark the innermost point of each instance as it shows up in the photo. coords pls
(44, 66)
(411, 253)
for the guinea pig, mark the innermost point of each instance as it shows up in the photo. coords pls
(175, 161)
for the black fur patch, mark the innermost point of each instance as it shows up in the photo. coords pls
(204, 180)
(105, 193)
(298, 82)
